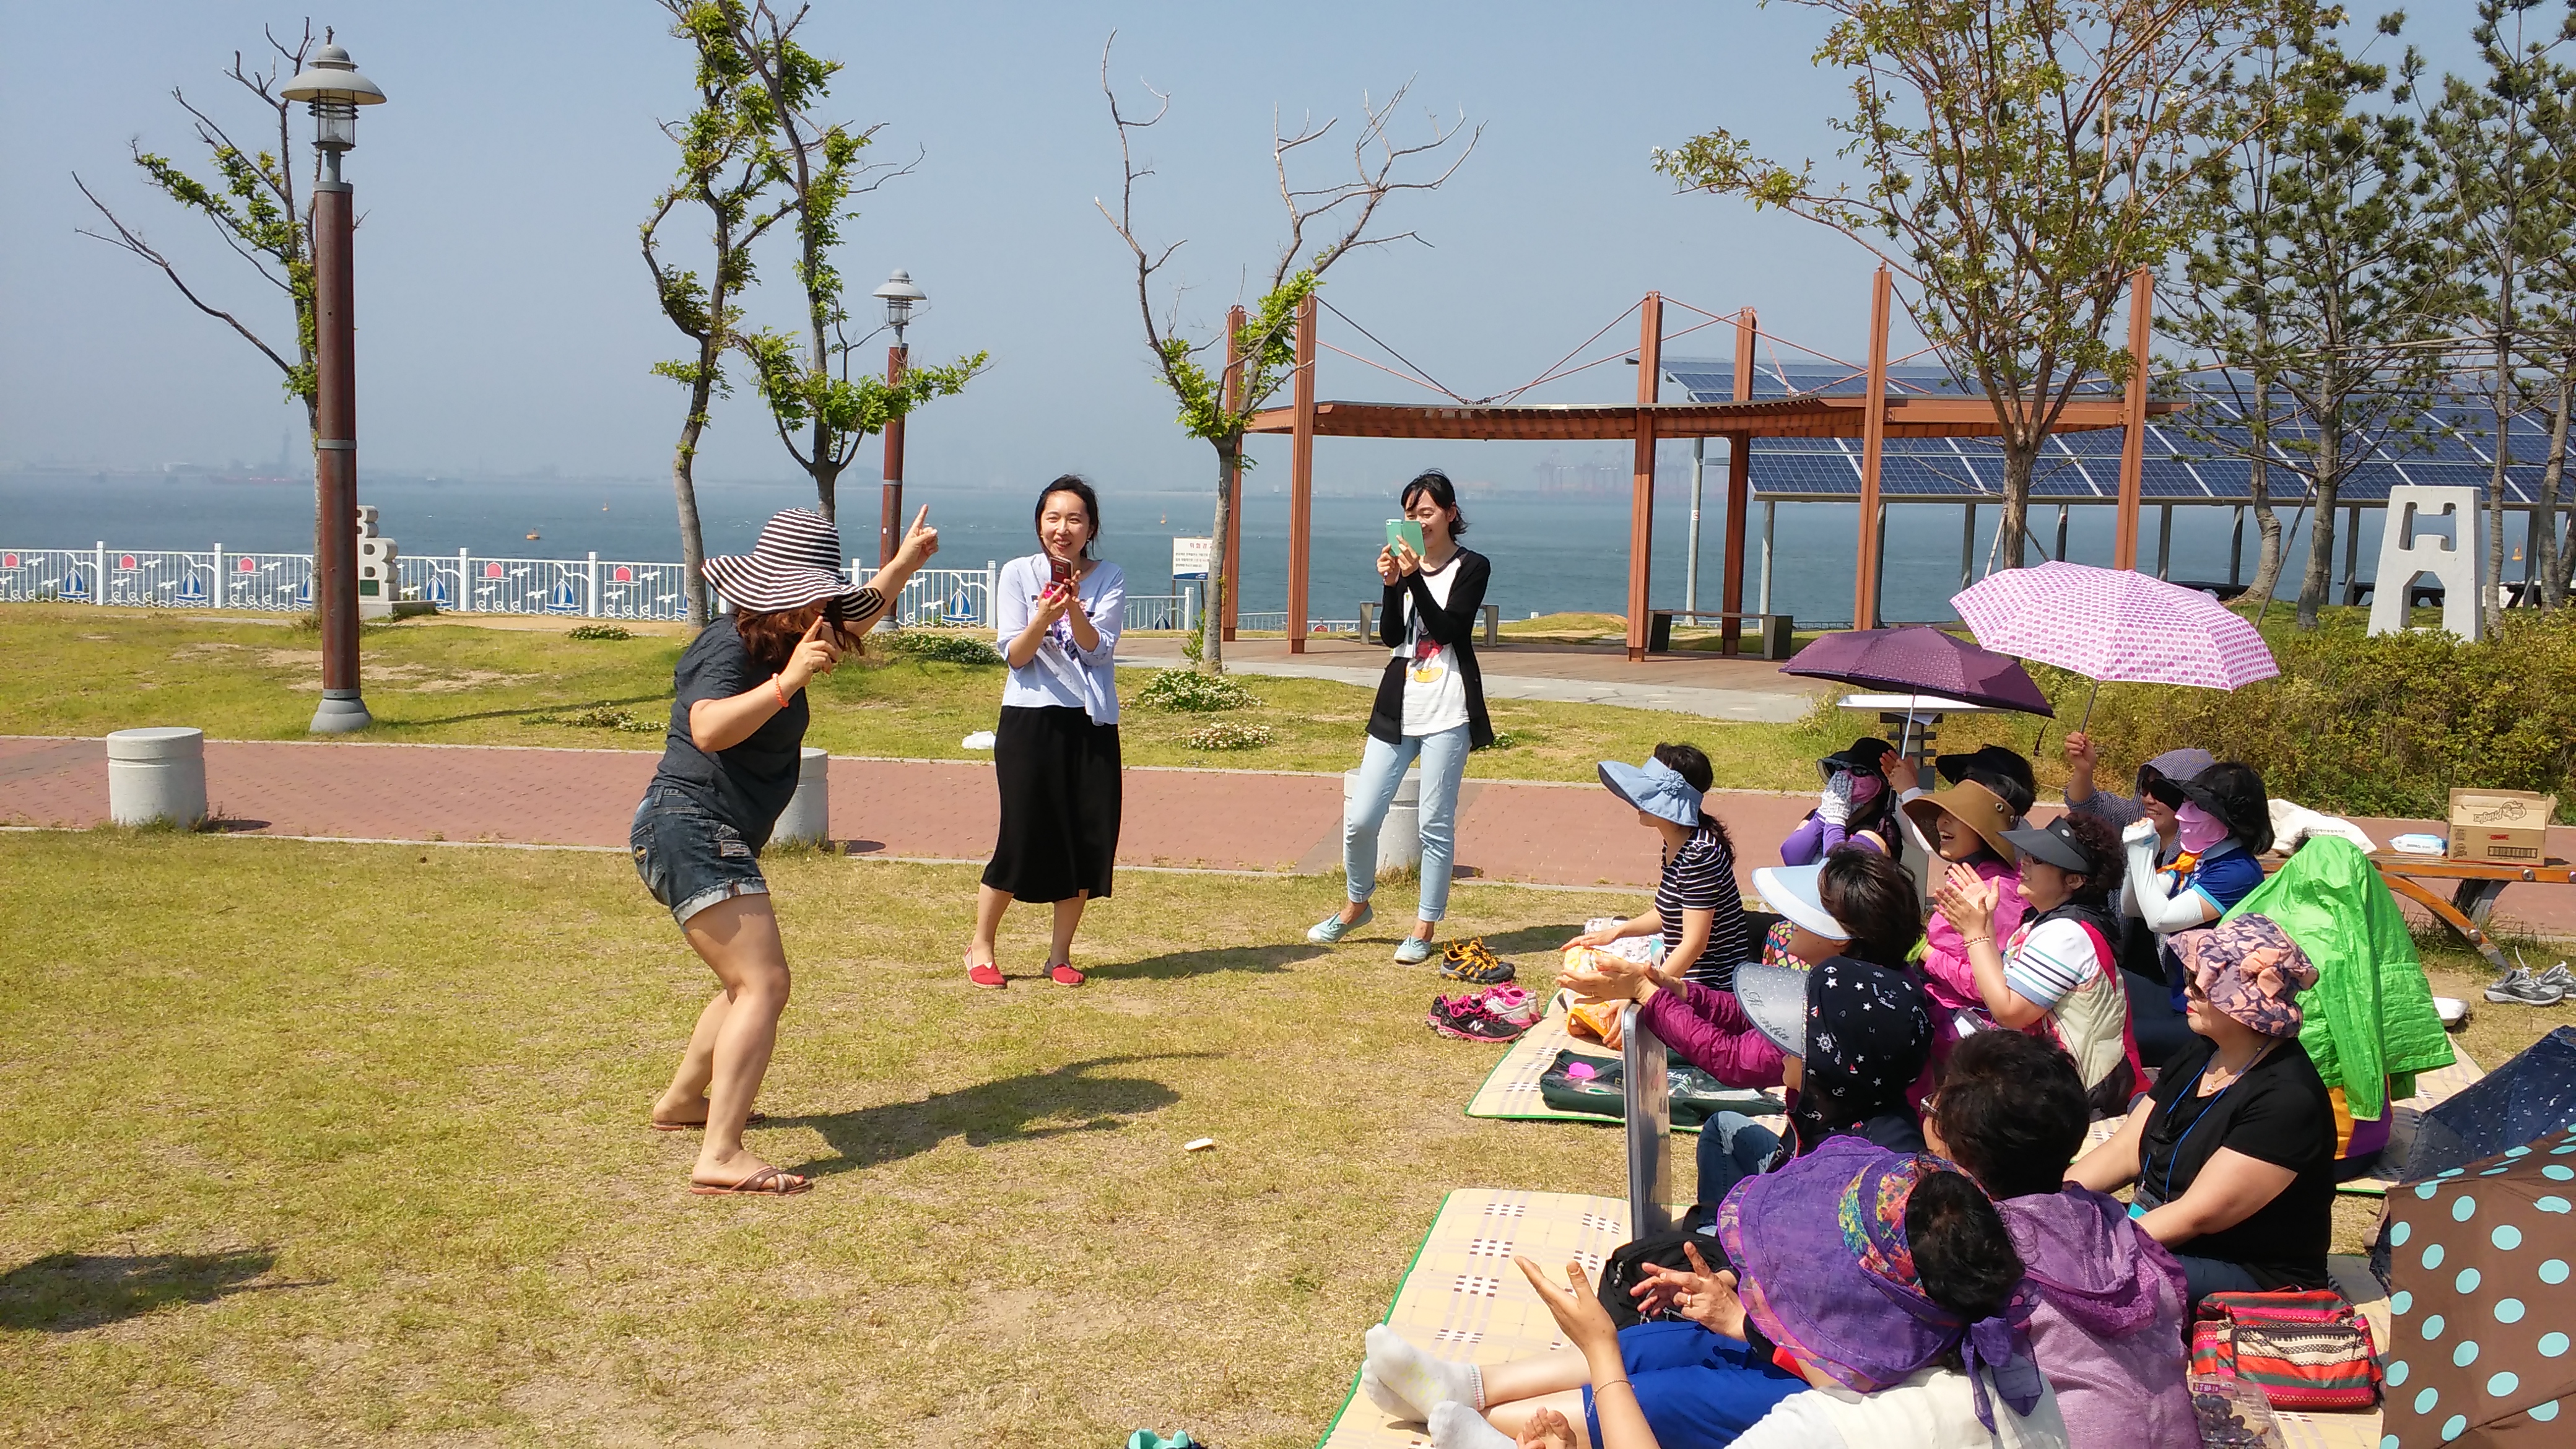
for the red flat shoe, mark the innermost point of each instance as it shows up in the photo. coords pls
(987, 975)
(1063, 974)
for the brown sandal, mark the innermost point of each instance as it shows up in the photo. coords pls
(768, 1182)
(755, 1119)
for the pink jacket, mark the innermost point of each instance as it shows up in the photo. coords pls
(1707, 1029)
(1950, 981)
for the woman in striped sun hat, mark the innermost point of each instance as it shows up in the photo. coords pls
(729, 767)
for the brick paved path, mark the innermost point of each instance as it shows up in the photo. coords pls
(930, 809)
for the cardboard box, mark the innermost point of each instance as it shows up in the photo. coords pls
(2504, 827)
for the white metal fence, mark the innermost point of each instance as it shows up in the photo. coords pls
(465, 582)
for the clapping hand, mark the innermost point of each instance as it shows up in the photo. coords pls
(815, 653)
(1705, 1298)
(1968, 900)
(1576, 1308)
(1602, 976)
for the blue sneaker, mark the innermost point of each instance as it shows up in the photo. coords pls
(1333, 928)
(1412, 951)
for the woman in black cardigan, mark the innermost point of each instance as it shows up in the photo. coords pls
(1430, 706)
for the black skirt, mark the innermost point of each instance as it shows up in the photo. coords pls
(1059, 776)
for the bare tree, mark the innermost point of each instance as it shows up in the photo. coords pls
(253, 205)
(1339, 212)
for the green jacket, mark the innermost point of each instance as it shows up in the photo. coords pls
(2370, 1016)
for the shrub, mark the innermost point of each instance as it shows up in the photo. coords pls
(1183, 692)
(2359, 724)
(939, 646)
(1227, 734)
(599, 631)
(600, 717)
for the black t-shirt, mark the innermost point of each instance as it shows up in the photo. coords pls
(1701, 877)
(748, 785)
(2277, 1113)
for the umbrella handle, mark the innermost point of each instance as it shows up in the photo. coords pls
(2088, 719)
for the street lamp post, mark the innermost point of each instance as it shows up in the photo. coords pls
(898, 294)
(335, 90)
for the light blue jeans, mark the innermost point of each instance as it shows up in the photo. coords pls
(1382, 767)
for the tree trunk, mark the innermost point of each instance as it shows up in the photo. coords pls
(684, 488)
(2019, 457)
(2545, 580)
(2267, 524)
(2491, 589)
(827, 481)
(1221, 569)
(2318, 579)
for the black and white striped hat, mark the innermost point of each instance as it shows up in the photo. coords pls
(796, 561)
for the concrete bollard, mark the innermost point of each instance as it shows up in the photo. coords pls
(157, 774)
(1399, 837)
(808, 816)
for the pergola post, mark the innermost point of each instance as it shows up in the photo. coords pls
(1641, 493)
(2133, 429)
(1873, 441)
(1230, 599)
(1739, 484)
(1301, 476)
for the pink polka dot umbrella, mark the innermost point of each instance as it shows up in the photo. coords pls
(2114, 624)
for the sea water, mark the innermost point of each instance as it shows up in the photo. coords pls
(1555, 552)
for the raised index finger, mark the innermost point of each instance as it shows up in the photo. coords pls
(921, 518)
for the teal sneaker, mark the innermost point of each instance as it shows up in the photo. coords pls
(1333, 928)
(1412, 951)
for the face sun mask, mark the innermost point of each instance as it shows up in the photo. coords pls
(2196, 829)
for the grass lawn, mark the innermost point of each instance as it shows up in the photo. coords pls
(379, 1170)
(84, 671)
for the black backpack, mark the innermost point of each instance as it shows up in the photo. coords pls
(1626, 1268)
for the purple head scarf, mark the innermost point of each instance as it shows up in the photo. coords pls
(1827, 1274)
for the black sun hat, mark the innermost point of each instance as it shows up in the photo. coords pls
(796, 561)
(2230, 792)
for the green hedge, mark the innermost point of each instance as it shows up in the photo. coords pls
(2362, 725)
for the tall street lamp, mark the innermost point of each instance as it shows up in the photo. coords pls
(331, 83)
(899, 294)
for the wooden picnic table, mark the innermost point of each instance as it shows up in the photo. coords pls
(2476, 884)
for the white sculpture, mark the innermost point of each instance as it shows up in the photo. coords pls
(2454, 562)
(379, 583)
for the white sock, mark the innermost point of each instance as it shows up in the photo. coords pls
(1384, 1397)
(1416, 1378)
(1455, 1426)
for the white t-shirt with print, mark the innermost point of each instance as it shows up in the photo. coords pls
(1435, 698)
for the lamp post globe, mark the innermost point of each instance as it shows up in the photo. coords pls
(331, 85)
(899, 295)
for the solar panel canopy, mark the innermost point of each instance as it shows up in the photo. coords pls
(2196, 457)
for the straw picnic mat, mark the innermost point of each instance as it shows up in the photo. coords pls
(1510, 1092)
(2431, 1090)
(1462, 1298)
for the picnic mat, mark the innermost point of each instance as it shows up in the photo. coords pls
(2431, 1090)
(1510, 1092)
(1462, 1298)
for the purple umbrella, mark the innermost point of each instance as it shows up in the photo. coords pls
(1921, 660)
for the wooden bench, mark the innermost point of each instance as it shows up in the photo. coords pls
(1490, 632)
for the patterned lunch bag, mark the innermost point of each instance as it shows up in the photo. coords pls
(2304, 1348)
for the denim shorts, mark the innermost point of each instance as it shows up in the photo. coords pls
(690, 859)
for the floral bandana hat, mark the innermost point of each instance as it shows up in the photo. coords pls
(2250, 969)
(1828, 1274)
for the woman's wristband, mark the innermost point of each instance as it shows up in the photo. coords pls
(778, 686)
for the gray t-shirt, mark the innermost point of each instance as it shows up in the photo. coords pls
(748, 785)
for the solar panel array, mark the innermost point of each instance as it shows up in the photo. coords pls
(2450, 444)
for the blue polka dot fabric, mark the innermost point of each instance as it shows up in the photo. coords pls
(2480, 1311)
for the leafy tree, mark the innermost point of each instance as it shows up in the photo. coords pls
(2549, 347)
(2504, 205)
(253, 205)
(1266, 343)
(807, 376)
(2318, 284)
(729, 169)
(2022, 160)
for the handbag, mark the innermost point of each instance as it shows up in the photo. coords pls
(1576, 1082)
(2304, 1348)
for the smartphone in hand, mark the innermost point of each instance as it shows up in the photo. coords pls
(1406, 532)
(1059, 573)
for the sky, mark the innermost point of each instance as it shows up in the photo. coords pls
(507, 325)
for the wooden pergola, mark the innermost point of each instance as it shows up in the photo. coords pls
(1871, 416)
